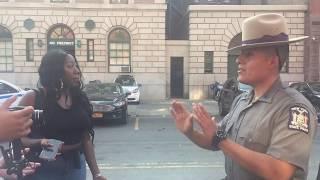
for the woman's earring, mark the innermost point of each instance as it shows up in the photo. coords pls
(61, 84)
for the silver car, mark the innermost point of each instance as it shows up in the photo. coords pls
(129, 84)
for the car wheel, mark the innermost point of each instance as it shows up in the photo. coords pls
(222, 110)
(124, 117)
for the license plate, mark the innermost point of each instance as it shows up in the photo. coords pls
(97, 115)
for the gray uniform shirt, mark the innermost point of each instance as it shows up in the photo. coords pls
(281, 124)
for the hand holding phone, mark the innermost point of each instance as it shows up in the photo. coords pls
(50, 152)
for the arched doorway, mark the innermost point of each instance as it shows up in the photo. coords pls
(232, 57)
(61, 36)
(6, 56)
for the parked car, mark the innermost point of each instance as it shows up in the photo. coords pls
(109, 102)
(311, 90)
(8, 89)
(230, 90)
(130, 84)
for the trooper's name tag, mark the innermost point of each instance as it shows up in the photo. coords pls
(299, 119)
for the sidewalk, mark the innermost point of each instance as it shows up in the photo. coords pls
(161, 107)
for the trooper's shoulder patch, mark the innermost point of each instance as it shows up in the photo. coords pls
(299, 119)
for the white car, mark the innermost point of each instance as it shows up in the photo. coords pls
(7, 90)
(129, 84)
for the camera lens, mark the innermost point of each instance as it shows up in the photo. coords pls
(37, 117)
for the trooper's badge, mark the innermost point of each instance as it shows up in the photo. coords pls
(299, 119)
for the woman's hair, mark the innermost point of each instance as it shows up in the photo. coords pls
(51, 75)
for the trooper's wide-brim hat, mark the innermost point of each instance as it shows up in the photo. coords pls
(264, 30)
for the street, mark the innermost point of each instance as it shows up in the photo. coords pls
(150, 148)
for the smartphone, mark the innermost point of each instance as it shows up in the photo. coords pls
(50, 153)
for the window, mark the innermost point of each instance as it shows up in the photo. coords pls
(285, 67)
(283, 54)
(62, 37)
(5, 89)
(29, 49)
(126, 80)
(59, 1)
(208, 61)
(118, 1)
(303, 88)
(90, 50)
(6, 57)
(119, 51)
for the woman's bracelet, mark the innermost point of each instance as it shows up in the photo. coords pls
(97, 175)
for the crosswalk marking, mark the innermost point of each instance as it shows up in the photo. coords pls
(160, 166)
(136, 124)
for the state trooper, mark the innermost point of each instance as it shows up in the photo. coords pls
(268, 132)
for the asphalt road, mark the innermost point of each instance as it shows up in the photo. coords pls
(150, 148)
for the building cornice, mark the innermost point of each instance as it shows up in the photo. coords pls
(248, 8)
(90, 6)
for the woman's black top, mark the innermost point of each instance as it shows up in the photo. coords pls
(67, 125)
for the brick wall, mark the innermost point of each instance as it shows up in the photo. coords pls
(213, 27)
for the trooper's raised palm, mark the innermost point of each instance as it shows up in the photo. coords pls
(182, 117)
(208, 125)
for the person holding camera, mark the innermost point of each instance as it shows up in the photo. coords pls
(66, 117)
(14, 124)
(268, 132)
(29, 169)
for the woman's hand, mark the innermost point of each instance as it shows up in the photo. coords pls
(99, 177)
(45, 143)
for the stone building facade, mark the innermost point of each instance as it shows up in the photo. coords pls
(215, 28)
(110, 39)
(312, 52)
(127, 38)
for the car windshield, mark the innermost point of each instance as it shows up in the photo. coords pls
(6, 89)
(126, 81)
(103, 91)
(315, 86)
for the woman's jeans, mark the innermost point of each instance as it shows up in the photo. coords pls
(60, 169)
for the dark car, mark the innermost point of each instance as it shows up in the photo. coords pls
(226, 94)
(311, 90)
(109, 101)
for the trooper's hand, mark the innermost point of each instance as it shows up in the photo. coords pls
(182, 117)
(207, 124)
(14, 124)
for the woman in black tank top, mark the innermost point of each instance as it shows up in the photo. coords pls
(66, 117)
